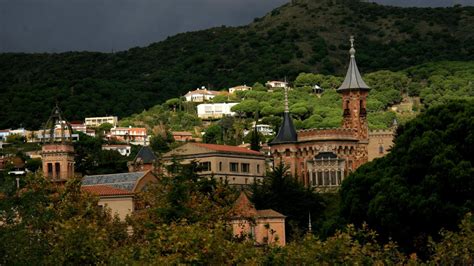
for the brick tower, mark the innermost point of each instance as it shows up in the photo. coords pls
(354, 98)
(57, 150)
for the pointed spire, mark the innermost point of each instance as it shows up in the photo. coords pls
(353, 78)
(287, 132)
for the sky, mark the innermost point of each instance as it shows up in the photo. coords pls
(114, 25)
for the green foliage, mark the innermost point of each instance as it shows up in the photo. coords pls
(280, 191)
(91, 159)
(424, 184)
(47, 224)
(16, 139)
(286, 42)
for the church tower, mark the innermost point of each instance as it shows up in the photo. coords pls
(57, 150)
(354, 98)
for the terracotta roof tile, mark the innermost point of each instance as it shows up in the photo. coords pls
(227, 148)
(102, 190)
(269, 214)
(243, 207)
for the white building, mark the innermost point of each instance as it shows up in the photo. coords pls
(123, 149)
(264, 129)
(97, 121)
(276, 84)
(133, 135)
(239, 88)
(200, 95)
(215, 110)
(4, 133)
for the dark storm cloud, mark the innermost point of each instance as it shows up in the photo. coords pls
(105, 25)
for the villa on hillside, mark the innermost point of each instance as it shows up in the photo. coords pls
(236, 165)
(276, 84)
(322, 158)
(210, 111)
(239, 88)
(201, 95)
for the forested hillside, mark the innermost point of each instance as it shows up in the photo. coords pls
(302, 36)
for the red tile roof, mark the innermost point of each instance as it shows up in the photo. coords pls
(243, 207)
(269, 213)
(227, 148)
(102, 190)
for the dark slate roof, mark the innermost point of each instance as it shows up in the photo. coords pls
(326, 155)
(125, 181)
(353, 78)
(287, 132)
(146, 155)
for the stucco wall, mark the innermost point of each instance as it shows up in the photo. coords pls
(122, 206)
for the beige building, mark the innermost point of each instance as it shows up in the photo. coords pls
(263, 226)
(380, 142)
(236, 165)
(201, 95)
(209, 111)
(116, 191)
(120, 202)
(239, 88)
(97, 121)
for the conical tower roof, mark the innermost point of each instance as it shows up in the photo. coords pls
(353, 80)
(287, 132)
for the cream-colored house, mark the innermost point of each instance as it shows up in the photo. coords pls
(239, 88)
(263, 226)
(215, 110)
(97, 121)
(201, 95)
(116, 191)
(120, 201)
(239, 166)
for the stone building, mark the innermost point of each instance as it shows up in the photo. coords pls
(263, 226)
(236, 165)
(57, 151)
(322, 158)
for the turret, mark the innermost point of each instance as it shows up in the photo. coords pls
(354, 98)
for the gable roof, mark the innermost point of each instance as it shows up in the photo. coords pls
(102, 190)
(226, 148)
(269, 213)
(146, 155)
(243, 207)
(125, 181)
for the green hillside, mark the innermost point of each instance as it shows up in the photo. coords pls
(302, 36)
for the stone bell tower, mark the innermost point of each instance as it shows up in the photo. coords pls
(354, 98)
(57, 150)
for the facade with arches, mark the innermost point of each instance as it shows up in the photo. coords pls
(322, 158)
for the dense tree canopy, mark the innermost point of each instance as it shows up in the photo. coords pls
(297, 37)
(424, 184)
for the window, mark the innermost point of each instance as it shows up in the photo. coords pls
(220, 166)
(320, 178)
(50, 170)
(234, 167)
(313, 177)
(205, 166)
(245, 168)
(57, 167)
(333, 178)
(258, 168)
(326, 178)
(381, 149)
(339, 177)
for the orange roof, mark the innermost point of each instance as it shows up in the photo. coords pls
(269, 213)
(185, 133)
(243, 207)
(102, 190)
(227, 148)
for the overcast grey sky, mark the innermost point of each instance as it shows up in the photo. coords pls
(106, 25)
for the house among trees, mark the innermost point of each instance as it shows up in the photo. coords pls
(97, 121)
(236, 165)
(276, 84)
(201, 95)
(132, 135)
(239, 88)
(322, 158)
(145, 160)
(117, 191)
(263, 226)
(210, 111)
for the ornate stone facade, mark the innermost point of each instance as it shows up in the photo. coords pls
(322, 158)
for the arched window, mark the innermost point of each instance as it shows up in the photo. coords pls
(381, 149)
